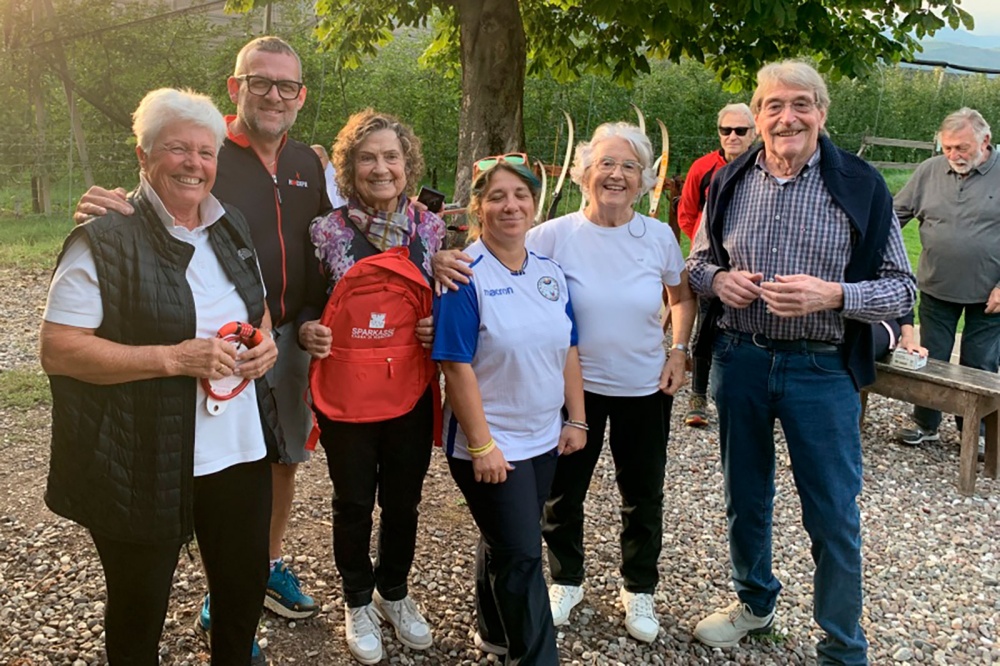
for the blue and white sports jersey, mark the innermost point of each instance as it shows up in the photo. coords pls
(515, 330)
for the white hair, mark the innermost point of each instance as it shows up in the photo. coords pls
(640, 144)
(966, 117)
(163, 106)
(741, 109)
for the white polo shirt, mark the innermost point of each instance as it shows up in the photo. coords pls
(221, 441)
(515, 330)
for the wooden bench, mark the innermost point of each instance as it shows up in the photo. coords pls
(970, 393)
(868, 140)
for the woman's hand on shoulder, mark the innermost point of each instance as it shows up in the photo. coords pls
(315, 338)
(205, 358)
(491, 468)
(571, 440)
(450, 267)
(254, 363)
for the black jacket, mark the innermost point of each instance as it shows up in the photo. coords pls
(123, 455)
(279, 211)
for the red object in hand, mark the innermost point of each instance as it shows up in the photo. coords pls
(238, 333)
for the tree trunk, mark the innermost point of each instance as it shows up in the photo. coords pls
(41, 189)
(78, 135)
(494, 59)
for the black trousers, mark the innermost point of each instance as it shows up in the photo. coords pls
(700, 367)
(388, 461)
(232, 516)
(512, 602)
(640, 427)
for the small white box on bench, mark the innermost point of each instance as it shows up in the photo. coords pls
(907, 360)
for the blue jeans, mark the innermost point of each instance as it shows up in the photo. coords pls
(980, 343)
(813, 397)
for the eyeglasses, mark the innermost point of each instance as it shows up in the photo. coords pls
(487, 163)
(629, 167)
(799, 106)
(261, 86)
(726, 131)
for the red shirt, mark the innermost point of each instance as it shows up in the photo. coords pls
(696, 190)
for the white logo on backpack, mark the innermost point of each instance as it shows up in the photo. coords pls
(377, 320)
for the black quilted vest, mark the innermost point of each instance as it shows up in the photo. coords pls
(123, 455)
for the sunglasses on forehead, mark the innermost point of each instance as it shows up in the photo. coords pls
(740, 131)
(487, 163)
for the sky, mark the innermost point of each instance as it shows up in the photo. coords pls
(987, 15)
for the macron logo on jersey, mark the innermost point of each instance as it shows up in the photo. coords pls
(506, 291)
(377, 320)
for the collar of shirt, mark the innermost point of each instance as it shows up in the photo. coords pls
(761, 165)
(210, 210)
(983, 168)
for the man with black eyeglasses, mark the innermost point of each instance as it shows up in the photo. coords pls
(736, 134)
(279, 186)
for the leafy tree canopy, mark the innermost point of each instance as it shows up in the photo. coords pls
(618, 38)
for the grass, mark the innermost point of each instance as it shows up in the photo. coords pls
(23, 389)
(32, 242)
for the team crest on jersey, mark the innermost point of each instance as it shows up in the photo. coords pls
(377, 320)
(549, 288)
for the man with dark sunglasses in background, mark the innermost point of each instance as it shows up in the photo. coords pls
(736, 133)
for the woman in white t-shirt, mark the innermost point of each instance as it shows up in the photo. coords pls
(507, 345)
(159, 425)
(616, 262)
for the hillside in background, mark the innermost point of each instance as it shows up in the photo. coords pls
(959, 47)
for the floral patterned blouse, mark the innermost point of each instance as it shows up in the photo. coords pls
(340, 242)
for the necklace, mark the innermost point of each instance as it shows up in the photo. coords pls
(520, 271)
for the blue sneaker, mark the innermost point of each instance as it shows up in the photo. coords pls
(284, 595)
(203, 627)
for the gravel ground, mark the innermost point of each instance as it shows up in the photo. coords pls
(932, 561)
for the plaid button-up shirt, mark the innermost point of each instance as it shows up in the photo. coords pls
(787, 227)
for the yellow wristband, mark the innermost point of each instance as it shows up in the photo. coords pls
(481, 449)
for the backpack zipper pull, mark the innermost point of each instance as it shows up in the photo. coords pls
(392, 373)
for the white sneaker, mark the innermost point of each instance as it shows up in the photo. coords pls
(364, 638)
(484, 645)
(727, 626)
(411, 627)
(640, 619)
(562, 599)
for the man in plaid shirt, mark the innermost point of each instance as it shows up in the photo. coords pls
(802, 252)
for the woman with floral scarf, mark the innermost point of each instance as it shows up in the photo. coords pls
(378, 162)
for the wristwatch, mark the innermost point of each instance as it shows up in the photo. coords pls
(681, 347)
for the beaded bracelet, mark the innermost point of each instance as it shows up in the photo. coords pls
(581, 425)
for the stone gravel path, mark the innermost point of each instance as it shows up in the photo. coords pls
(932, 557)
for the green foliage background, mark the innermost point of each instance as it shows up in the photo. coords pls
(121, 65)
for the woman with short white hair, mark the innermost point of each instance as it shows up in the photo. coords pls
(156, 341)
(617, 262)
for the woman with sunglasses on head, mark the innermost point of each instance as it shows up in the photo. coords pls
(378, 160)
(507, 345)
(616, 262)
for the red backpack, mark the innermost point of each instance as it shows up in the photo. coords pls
(377, 369)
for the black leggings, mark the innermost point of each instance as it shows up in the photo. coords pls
(232, 515)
